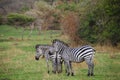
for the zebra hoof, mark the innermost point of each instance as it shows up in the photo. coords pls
(72, 74)
(54, 72)
(92, 74)
(88, 74)
(48, 72)
(68, 74)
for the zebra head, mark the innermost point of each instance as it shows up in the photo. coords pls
(59, 45)
(38, 52)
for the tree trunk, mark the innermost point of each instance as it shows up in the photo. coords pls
(31, 29)
(23, 33)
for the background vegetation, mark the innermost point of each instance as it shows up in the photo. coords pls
(96, 21)
(25, 23)
(17, 59)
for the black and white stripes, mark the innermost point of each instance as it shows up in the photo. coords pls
(60, 51)
(49, 52)
(80, 54)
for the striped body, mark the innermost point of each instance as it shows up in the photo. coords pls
(49, 52)
(80, 54)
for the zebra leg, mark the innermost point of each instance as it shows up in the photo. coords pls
(89, 61)
(92, 69)
(67, 67)
(54, 66)
(92, 65)
(48, 66)
(72, 72)
(89, 66)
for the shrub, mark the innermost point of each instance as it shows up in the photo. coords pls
(19, 19)
(25, 8)
(69, 25)
(45, 12)
(67, 7)
(43, 7)
(101, 25)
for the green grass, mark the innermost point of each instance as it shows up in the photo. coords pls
(17, 59)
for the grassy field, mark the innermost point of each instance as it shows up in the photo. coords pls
(17, 59)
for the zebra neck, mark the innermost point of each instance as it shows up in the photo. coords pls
(61, 51)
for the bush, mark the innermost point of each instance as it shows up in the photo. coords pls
(19, 19)
(69, 25)
(43, 7)
(101, 25)
(47, 13)
(67, 7)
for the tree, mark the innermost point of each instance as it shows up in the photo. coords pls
(101, 24)
(20, 20)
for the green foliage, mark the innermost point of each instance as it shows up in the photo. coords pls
(25, 8)
(68, 7)
(99, 20)
(102, 23)
(21, 19)
(43, 7)
(112, 7)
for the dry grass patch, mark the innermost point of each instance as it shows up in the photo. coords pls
(106, 49)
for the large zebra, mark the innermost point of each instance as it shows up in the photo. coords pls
(49, 52)
(80, 54)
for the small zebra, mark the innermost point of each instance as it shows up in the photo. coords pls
(43, 47)
(80, 54)
(49, 52)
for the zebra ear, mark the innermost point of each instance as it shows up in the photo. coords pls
(36, 46)
(54, 40)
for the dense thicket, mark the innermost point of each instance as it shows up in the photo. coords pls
(102, 24)
(99, 20)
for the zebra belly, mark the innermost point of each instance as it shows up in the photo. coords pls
(77, 60)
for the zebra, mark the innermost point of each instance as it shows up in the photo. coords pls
(43, 48)
(49, 52)
(79, 54)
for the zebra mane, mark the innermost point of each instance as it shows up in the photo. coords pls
(57, 40)
(37, 45)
